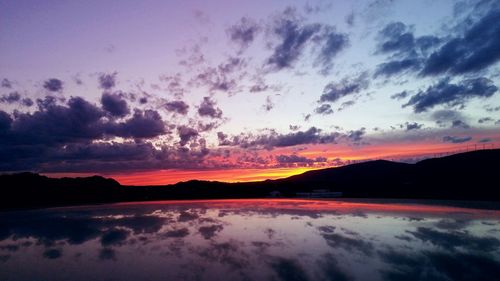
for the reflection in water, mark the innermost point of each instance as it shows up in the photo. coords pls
(251, 240)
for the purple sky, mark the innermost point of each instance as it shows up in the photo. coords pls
(113, 86)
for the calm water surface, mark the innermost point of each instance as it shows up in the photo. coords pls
(251, 240)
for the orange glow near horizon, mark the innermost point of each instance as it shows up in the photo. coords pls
(231, 175)
(347, 154)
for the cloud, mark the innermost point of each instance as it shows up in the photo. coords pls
(294, 158)
(397, 66)
(347, 243)
(210, 231)
(107, 254)
(459, 124)
(244, 32)
(107, 81)
(269, 104)
(6, 83)
(477, 49)
(407, 52)
(10, 98)
(293, 35)
(446, 93)
(400, 96)
(453, 239)
(177, 233)
(454, 139)
(396, 38)
(114, 104)
(311, 136)
(186, 134)
(178, 106)
(485, 120)
(324, 109)
(143, 124)
(114, 237)
(334, 91)
(332, 43)
(288, 269)
(52, 254)
(356, 135)
(208, 108)
(412, 126)
(224, 77)
(53, 85)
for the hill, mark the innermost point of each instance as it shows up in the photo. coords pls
(466, 176)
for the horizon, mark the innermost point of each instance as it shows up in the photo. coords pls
(140, 179)
(156, 93)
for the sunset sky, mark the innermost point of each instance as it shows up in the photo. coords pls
(156, 92)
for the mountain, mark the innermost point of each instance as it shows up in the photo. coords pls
(467, 176)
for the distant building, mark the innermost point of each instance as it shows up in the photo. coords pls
(319, 193)
(275, 194)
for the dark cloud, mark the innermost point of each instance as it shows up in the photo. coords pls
(269, 104)
(397, 37)
(107, 81)
(485, 120)
(178, 106)
(400, 96)
(288, 269)
(459, 124)
(114, 104)
(293, 36)
(224, 77)
(334, 91)
(294, 158)
(311, 136)
(438, 265)
(356, 135)
(177, 233)
(347, 243)
(446, 116)
(187, 216)
(56, 132)
(244, 32)
(208, 108)
(210, 231)
(477, 49)
(346, 104)
(412, 126)
(107, 254)
(186, 134)
(10, 98)
(397, 66)
(454, 239)
(53, 85)
(454, 139)
(446, 93)
(332, 43)
(52, 254)
(143, 124)
(407, 52)
(114, 237)
(324, 109)
(27, 102)
(6, 83)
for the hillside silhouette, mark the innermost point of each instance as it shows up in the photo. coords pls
(464, 176)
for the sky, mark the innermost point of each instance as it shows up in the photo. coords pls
(156, 92)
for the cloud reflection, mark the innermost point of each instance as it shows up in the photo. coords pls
(252, 240)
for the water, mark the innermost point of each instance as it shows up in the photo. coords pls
(251, 240)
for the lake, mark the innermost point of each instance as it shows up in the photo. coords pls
(273, 239)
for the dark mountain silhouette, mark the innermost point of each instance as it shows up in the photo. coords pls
(465, 176)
